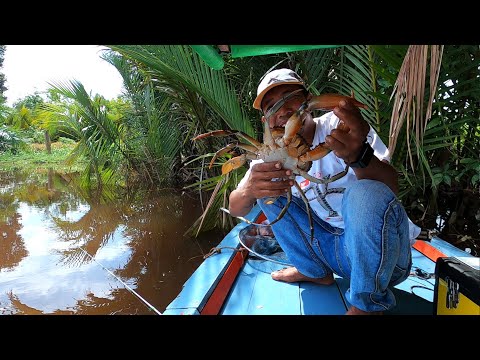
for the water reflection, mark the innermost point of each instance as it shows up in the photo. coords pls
(63, 251)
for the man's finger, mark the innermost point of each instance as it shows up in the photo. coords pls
(272, 193)
(342, 136)
(270, 170)
(335, 145)
(352, 117)
(268, 166)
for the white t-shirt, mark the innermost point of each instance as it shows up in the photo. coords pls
(326, 199)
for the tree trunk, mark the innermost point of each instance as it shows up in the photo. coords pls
(48, 143)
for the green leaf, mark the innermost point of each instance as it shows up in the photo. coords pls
(475, 179)
(447, 179)
(468, 161)
(437, 179)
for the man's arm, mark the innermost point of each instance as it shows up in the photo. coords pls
(240, 203)
(380, 171)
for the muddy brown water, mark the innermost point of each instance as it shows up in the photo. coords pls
(63, 251)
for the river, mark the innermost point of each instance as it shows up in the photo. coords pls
(66, 251)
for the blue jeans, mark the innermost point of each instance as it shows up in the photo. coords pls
(373, 251)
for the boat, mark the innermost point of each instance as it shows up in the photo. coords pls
(234, 279)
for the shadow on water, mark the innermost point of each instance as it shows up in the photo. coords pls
(63, 251)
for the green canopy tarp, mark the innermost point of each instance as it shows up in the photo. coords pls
(212, 57)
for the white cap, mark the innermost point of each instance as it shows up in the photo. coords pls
(275, 78)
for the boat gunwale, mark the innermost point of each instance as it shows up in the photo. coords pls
(228, 248)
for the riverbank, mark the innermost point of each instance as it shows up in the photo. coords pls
(34, 156)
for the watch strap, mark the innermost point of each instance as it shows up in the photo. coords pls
(364, 158)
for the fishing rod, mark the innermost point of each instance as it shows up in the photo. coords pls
(126, 286)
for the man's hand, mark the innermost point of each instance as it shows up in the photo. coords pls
(259, 185)
(347, 143)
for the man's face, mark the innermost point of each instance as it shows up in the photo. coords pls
(292, 103)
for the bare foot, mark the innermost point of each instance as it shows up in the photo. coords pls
(356, 311)
(291, 274)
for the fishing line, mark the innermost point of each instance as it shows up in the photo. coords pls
(263, 257)
(126, 286)
(251, 250)
(243, 219)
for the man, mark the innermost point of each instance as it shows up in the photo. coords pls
(361, 231)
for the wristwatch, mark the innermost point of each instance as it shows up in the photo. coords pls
(366, 155)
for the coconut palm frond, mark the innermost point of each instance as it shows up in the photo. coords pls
(210, 203)
(179, 68)
(358, 69)
(46, 116)
(206, 184)
(317, 66)
(353, 74)
(101, 137)
(436, 53)
(409, 92)
(159, 143)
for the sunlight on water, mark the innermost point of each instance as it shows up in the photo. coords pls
(45, 274)
(57, 246)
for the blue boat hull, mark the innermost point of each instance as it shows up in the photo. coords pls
(230, 282)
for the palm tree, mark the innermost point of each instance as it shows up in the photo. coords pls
(100, 139)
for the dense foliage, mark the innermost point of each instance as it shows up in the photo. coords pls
(171, 95)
